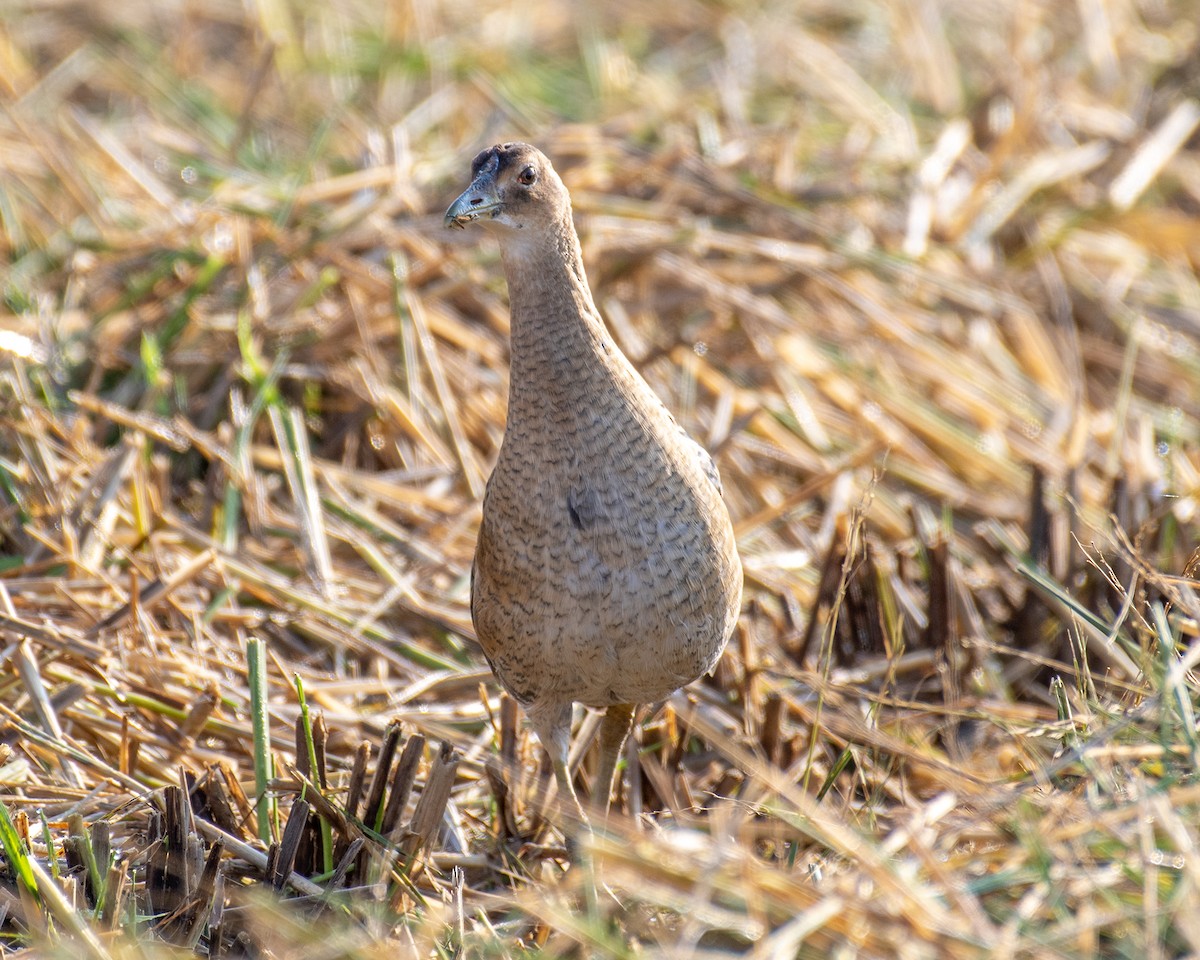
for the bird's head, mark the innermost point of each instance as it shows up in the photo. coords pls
(514, 187)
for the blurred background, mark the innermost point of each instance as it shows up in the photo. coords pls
(920, 273)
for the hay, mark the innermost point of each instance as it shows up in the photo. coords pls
(922, 276)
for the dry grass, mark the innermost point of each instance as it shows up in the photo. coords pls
(922, 274)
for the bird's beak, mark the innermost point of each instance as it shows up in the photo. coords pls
(480, 199)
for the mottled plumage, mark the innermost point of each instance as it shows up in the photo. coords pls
(606, 571)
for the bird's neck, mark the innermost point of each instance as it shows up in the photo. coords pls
(557, 333)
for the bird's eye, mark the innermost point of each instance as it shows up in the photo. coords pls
(527, 176)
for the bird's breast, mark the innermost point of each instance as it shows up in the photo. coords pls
(623, 562)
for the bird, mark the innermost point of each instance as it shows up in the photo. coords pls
(605, 571)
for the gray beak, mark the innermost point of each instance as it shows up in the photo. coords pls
(480, 199)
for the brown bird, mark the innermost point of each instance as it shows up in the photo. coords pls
(606, 571)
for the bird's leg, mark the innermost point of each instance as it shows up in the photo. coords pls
(553, 727)
(618, 719)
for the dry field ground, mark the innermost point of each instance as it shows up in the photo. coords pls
(920, 273)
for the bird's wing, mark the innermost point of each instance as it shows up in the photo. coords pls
(703, 459)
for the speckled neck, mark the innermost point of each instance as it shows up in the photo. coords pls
(559, 343)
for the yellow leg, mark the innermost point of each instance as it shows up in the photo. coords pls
(618, 719)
